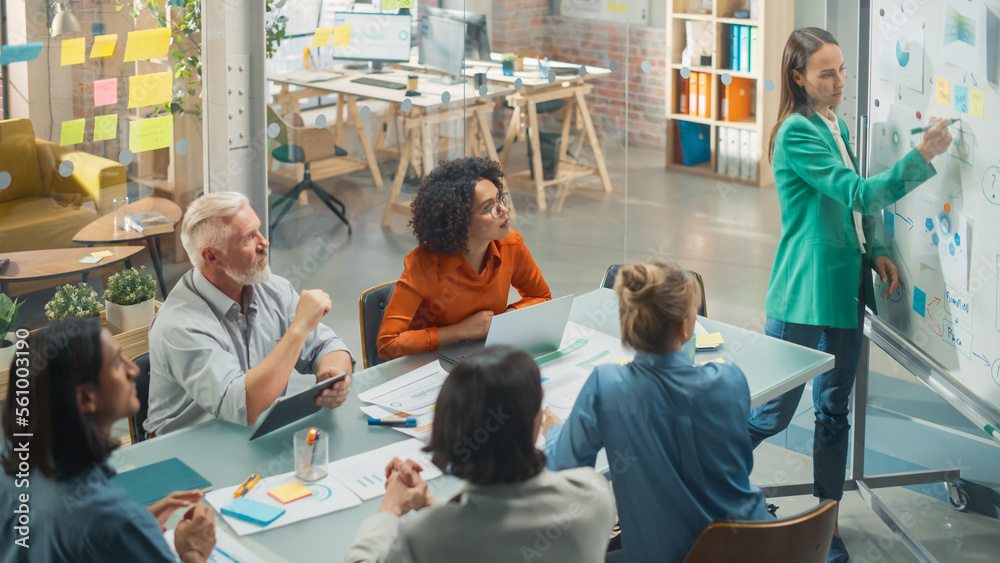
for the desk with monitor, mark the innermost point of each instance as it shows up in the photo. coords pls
(221, 453)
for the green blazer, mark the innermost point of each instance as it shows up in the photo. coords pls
(818, 265)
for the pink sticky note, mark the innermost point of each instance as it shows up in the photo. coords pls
(105, 92)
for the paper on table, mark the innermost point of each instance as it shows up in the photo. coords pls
(289, 492)
(227, 549)
(150, 134)
(149, 89)
(102, 254)
(73, 51)
(364, 474)
(322, 37)
(329, 495)
(104, 46)
(105, 92)
(412, 392)
(342, 36)
(72, 132)
(147, 44)
(713, 339)
(565, 371)
(422, 431)
(105, 127)
(20, 53)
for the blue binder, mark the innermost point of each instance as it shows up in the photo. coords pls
(744, 48)
(734, 47)
(695, 141)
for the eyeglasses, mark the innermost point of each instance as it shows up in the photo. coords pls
(494, 208)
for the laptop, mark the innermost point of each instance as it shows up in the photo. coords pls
(537, 330)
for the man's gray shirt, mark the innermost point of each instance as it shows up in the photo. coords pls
(201, 347)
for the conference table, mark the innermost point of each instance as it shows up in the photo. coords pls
(220, 452)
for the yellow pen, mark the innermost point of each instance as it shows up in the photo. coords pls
(248, 484)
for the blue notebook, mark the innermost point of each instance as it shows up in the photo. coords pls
(252, 511)
(152, 483)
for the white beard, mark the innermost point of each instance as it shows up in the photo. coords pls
(260, 274)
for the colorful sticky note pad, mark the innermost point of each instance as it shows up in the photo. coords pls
(322, 37)
(105, 127)
(73, 51)
(715, 361)
(105, 92)
(342, 36)
(919, 301)
(713, 339)
(102, 253)
(622, 7)
(20, 53)
(72, 132)
(943, 92)
(104, 46)
(149, 89)
(290, 492)
(147, 44)
(389, 5)
(961, 98)
(977, 103)
(150, 134)
(407, 3)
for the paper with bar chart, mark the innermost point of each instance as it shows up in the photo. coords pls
(364, 474)
(566, 370)
(414, 393)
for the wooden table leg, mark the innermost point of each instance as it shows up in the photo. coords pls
(567, 122)
(536, 154)
(152, 243)
(338, 130)
(484, 130)
(595, 144)
(352, 108)
(508, 141)
(397, 183)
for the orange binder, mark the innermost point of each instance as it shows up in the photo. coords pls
(736, 102)
(692, 108)
(704, 95)
(682, 104)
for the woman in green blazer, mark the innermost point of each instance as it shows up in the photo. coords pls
(819, 287)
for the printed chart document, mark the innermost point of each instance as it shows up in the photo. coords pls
(364, 474)
(328, 495)
(565, 371)
(413, 393)
(226, 549)
(425, 422)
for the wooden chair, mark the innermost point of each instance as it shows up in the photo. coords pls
(371, 308)
(612, 272)
(135, 429)
(804, 538)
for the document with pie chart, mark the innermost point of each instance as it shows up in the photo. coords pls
(906, 63)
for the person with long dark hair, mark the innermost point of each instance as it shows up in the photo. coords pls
(61, 503)
(486, 423)
(820, 282)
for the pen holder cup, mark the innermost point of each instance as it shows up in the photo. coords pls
(311, 461)
(508, 68)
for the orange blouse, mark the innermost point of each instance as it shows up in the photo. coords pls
(435, 291)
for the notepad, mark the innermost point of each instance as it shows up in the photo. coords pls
(290, 492)
(715, 361)
(102, 254)
(710, 340)
(151, 483)
(252, 511)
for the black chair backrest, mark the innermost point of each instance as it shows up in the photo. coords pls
(372, 307)
(142, 390)
(612, 272)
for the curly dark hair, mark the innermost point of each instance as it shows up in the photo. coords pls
(442, 207)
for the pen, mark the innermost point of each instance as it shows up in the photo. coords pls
(408, 422)
(992, 431)
(307, 455)
(924, 129)
(247, 484)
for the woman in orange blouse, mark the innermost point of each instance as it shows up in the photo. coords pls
(467, 260)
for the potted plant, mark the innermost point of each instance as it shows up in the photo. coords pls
(71, 301)
(507, 61)
(129, 299)
(8, 314)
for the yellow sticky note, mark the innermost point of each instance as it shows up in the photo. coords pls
(407, 3)
(104, 46)
(612, 7)
(389, 5)
(713, 339)
(342, 36)
(103, 253)
(150, 134)
(72, 132)
(105, 127)
(287, 493)
(149, 89)
(715, 361)
(977, 103)
(73, 51)
(322, 37)
(622, 7)
(147, 44)
(623, 362)
(944, 92)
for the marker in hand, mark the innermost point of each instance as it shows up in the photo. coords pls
(924, 129)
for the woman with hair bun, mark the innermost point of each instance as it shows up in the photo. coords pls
(675, 433)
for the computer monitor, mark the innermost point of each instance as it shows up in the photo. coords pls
(442, 46)
(477, 37)
(375, 37)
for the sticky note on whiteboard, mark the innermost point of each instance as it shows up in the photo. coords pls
(105, 127)
(73, 51)
(342, 36)
(72, 132)
(104, 46)
(919, 301)
(150, 134)
(407, 3)
(105, 92)
(322, 37)
(943, 92)
(147, 44)
(149, 89)
(977, 103)
(961, 98)
(388, 5)
(20, 53)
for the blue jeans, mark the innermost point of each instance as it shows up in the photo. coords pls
(831, 399)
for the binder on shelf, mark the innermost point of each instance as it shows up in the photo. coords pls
(734, 47)
(677, 143)
(693, 94)
(745, 168)
(754, 156)
(754, 49)
(733, 153)
(705, 95)
(682, 104)
(695, 142)
(744, 48)
(721, 150)
(736, 99)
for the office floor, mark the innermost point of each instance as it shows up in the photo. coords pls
(728, 233)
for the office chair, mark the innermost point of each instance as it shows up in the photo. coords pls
(371, 307)
(135, 429)
(804, 538)
(612, 272)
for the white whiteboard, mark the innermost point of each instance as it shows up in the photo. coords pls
(945, 236)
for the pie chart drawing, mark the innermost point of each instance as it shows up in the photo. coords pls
(903, 51)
